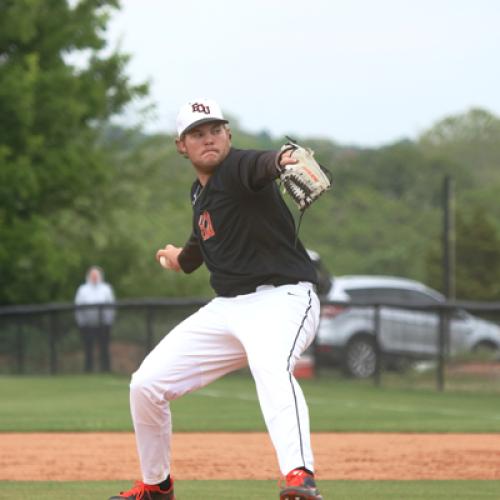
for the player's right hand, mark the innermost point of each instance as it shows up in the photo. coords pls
(168, 257)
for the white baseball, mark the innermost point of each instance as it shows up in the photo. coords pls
(164, 262)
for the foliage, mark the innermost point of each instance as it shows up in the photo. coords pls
(382, 213)
(471, 139)
(76, 191)
(50, 161)
(478, 255)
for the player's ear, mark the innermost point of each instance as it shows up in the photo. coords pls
(229, 132)
(181, 147)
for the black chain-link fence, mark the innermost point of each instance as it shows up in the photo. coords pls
(47, 339)
(440, 343)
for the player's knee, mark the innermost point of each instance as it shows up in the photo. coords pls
(142, 388)
(147, 387)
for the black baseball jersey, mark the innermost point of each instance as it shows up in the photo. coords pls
(242, 228)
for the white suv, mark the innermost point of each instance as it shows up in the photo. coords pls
(346, 334)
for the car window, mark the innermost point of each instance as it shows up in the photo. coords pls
(390, 296)
(417, 298)
(361, 295)
(374, 295)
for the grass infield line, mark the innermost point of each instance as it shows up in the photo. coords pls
(101, 403)
(355, 405)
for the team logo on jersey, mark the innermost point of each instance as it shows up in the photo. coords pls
(205, 225)
(200, 108)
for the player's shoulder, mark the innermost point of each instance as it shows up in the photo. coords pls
(237, 153)
(242, 158)
(233, 156)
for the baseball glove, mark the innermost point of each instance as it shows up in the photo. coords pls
(306, 180)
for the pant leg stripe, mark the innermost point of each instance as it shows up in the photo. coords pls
(291, 379)
(299, 330)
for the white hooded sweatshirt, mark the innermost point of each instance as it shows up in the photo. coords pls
(94, 293)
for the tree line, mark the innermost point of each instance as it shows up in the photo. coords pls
(76, 190)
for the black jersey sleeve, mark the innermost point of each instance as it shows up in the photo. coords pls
(250, 170)
(190, 257)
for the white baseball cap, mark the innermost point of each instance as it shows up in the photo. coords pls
(196, 112)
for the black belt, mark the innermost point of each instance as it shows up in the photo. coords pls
(281, 282)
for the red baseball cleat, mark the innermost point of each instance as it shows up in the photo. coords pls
(300, 485)
(142, 491)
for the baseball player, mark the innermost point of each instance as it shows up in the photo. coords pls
(264, 315)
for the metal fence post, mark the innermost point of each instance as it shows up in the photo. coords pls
(443, 326)
(378, 354)
(449, 238)
(53, 336)
(149, 328)
(20, 347)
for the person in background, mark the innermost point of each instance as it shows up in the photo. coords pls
(95, 322)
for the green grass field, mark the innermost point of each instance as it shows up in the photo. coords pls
(258, 490)
(100, 403)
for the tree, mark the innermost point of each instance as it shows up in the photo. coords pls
(477, 274)
(50, 115)
(471, 139)
(478, 256)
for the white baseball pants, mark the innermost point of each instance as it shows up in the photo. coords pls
(268, 330)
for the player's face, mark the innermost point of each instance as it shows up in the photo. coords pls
(206, 146)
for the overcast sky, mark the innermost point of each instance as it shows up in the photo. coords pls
(356, 71)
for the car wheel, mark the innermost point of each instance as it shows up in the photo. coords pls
(486, 350)
(360, 357)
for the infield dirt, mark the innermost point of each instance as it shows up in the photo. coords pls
(112, 456)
